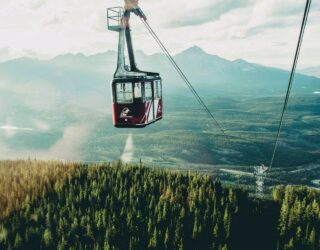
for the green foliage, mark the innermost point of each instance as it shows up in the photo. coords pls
(23, 181)
(47, 237)
(126, 207)
(116, 206)
(299, 223)
(18, 242)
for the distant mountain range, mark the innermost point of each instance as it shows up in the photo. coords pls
(311, 71)
(60, 108)
(213, 74)
(84, 80)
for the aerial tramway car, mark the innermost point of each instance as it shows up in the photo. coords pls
(136, 94)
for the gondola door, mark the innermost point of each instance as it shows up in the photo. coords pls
(157, 97)
(149, 104)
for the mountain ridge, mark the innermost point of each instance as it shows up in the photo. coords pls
(210, 74)
(191, 51)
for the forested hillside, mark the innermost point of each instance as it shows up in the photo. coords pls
(23, 181)
(116, 206)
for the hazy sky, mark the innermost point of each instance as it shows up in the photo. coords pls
(261, 31)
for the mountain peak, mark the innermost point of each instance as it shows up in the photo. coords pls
(140, 53)
(240, 61)
(197, 53)
(69, 56)
(194, 50)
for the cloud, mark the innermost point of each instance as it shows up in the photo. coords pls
(36, 4)
(274, 14)
(68, 147)
(4, 54)
(10, 131)
(230, 28)
(42, 125)
(212, 12)
(52, 21)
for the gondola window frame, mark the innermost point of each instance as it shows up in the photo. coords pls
(125, 90)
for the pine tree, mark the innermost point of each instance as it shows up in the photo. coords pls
(62, 244)
(167, 239)
(153, 243)
(18, 242)
(290, 245)
(312, 239)
(47, 237)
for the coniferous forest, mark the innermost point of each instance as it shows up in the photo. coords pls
(117, 206)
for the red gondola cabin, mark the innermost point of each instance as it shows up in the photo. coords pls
(136, 103)
(137, 95)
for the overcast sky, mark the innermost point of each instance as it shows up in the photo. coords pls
(260, 31)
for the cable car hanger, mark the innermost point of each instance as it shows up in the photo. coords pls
(137, 94)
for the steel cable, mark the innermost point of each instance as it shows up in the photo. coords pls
(303, 26)
(183, 76)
